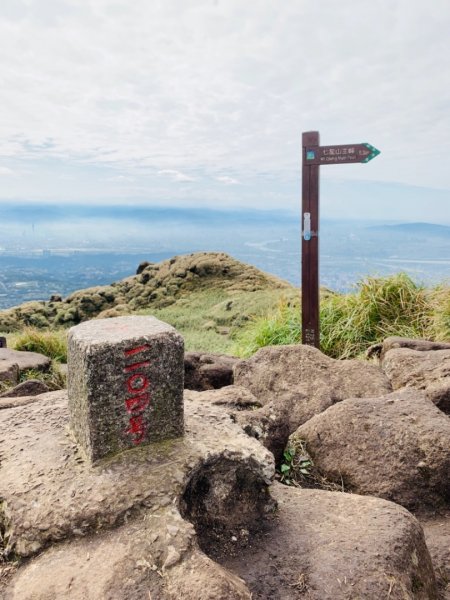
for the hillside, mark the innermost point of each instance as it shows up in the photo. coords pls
(204, 294)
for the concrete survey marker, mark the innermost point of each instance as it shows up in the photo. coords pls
(125, 384)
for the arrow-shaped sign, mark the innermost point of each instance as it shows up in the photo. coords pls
(346, 153)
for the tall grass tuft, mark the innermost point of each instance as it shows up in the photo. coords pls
(350, 323)
(50, 343)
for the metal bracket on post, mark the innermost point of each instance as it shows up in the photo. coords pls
(307, 226)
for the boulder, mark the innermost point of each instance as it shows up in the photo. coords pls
(51, 493)
(379, 350)
(9, 372)
(395, 447)
(437, 536)
(335, 546)
(155, 557)
(427, 370)
(30, 387)
(25, 360)
(207, 371)
(296, 382)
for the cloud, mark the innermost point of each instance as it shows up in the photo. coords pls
(176, 175)
(162, 90)
(6, 172)
(227, 180)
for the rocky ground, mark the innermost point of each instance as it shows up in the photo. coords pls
(364, 445)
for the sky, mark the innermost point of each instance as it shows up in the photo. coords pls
(203, 103)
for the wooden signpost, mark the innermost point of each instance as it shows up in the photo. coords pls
(315, 155)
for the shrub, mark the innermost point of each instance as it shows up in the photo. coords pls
(50, 343)
(380, 307)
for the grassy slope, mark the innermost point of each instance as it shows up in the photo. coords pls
(222, 305)
(207, 296)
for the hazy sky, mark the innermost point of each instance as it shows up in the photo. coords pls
(202, 102)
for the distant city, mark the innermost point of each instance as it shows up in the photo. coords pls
(45, 250)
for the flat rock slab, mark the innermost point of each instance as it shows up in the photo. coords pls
(51, 493)
(25, 360)
(296, 382)
(396, 447)
(335, 546)
(393, 342)
(125, 381)
(427, 370)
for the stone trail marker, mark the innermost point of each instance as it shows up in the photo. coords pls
(314, 156)
(125, 384)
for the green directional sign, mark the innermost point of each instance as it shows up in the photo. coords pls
(344, 153)
(373, 152)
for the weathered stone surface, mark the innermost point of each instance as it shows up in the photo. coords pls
(207, 371)
(396, 447)
(9, 372)
(125, 381)
(30, 387)
(399, 342)
(296, 382)
(427, 370)
(155, 557)
(437, 536)
(50, 492)
(335, 546)
(19, 401)
(25, 360)
(231, 398)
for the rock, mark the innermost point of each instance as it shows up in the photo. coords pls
(335, 546)
(427, 370)
(437, 537)
(19, 401)
(125, 381)
(50, 493)
(207, 371)
(399, 342)
(55, 298)
(9, 372)
(30, 387)
(25, 360)
(395, 447)
(231, 397)
(126, 564)
(296, 382)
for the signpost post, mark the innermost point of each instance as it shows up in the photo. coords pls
(314, 155)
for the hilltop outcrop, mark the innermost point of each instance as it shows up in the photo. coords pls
(155, 286)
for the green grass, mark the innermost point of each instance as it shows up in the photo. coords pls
(350, 323)
(240, 322)
(50, 343)
(210, 320)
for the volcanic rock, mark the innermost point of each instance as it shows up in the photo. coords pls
(395, 447)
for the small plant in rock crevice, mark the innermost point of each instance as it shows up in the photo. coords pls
(297, 469)
(294, 463)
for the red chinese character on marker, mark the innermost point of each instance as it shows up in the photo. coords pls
(136, 429)
(137, 404)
